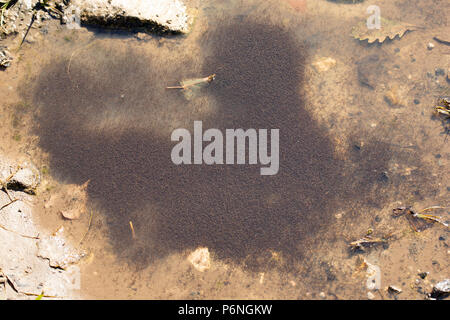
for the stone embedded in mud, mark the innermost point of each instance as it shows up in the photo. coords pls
(200, 259)
(373, 273)
(441, 290)
(150, 15)
(394, 290)
(72, 214)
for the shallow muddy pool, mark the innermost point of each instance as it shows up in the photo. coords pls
(358, 136)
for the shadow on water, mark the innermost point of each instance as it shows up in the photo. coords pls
(233, 210)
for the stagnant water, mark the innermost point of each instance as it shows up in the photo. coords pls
(104, 115)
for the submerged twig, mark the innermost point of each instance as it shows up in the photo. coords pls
(369, 241)
(74, 53)
(89, 227)
(41, 5)
(33, 18)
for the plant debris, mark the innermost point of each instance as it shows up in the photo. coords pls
(418, 220)
(189, 83)
(5, 58)
(443, 107)
(3, 282)
(188, 86)
(368, 241)
(133, 234)
(389, 29)
(4, 5)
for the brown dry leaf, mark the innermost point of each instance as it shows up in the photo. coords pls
(389, 29)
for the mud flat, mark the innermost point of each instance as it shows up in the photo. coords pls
(33, 263)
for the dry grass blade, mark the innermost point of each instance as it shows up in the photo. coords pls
(8, 204)
(133, 234)
(418, 220)
(186, 84)
(443, 107)
(19, 234)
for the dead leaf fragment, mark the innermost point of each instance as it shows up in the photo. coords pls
(324, 64)
(389, 29)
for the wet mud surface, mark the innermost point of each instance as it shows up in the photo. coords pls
(99, 111)
(231, 209)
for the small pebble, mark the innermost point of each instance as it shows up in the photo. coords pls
(416, 101)
(430, 46)
(322, 295)
(370, 296)
(383, 177)
(439, 72)
(394, 290)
